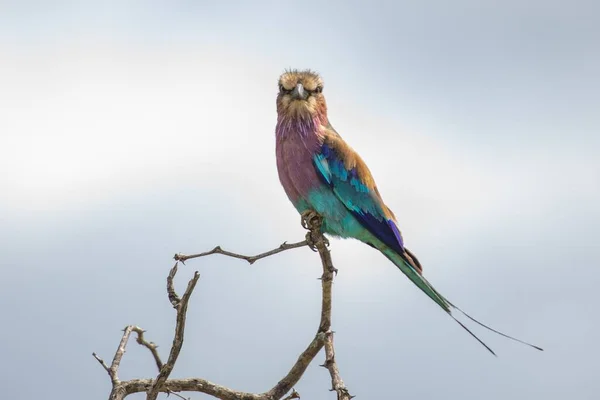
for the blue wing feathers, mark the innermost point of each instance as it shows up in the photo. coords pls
(323, 171)
(396, 232)
(382, 229)
(357, 197)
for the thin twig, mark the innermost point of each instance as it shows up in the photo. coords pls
(101, 361)
(251, 259)
(173, 297)
(337, 384)
(114, 367)
(320, 243)
(166, 369)
(296, 372)
(149, 345)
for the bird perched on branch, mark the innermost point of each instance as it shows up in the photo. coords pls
(320, 172)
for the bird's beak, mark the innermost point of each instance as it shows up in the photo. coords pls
(299, 92)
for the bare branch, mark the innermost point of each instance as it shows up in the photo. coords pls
(337, 383)
(288, 381)
(149, 345)
(187, 385)
(112, 370)
(181, 307)
(251, 259)
(323, 337)
(114, 367)
(173, 297)
(101, 361)
(313, 222)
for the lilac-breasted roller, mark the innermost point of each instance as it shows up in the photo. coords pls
(319, 171)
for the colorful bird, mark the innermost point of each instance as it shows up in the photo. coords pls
(319, 171)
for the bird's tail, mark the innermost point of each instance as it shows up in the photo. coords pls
(410, 266)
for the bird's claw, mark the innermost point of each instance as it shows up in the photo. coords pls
(311, 242)
(310, 220)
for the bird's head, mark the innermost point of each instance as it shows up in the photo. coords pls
(301, 95)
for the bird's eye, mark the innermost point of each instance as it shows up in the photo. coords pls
(319, 89)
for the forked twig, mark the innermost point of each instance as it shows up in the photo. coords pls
(181, 308)
(149, 345)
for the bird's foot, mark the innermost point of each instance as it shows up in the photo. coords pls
(311, 242)
(311, 220)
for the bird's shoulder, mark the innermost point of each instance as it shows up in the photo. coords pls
(336, 150)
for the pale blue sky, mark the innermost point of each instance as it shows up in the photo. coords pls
(133, 130)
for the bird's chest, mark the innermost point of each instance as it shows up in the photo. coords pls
(295, 165)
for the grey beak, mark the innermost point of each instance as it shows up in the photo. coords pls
(299, 92)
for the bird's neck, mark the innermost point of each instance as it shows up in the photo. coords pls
(306, 127)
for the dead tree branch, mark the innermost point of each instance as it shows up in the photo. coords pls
(161, 384)
(320, 243)
(181, 307)
(251, 259)
(149, 345)
(337, 384)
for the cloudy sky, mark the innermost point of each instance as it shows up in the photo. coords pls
(132, 130)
